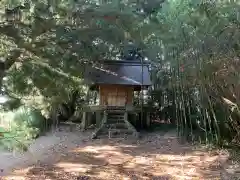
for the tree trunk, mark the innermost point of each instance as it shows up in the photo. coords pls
(1, 80)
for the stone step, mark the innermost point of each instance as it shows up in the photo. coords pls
(115, 116)
(121, 131)
(113, 136)
(106, 130)
(115, 111)
(115, 121)
(116, 125)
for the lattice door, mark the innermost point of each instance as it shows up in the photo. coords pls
(116, 98)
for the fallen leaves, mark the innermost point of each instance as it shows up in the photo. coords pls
(149, 158)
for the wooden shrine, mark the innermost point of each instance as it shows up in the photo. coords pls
(115, 82)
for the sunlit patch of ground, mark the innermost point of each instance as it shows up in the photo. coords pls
(153, 157)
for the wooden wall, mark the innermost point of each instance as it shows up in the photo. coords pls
(116, 95)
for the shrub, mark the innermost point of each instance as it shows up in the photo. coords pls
(22, 126)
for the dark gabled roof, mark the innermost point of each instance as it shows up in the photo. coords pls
(118, 72)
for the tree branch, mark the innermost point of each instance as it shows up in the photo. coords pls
(11, 59)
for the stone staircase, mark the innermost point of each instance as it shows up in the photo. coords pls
(115, 124)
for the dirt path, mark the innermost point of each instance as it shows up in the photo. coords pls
(153, 157)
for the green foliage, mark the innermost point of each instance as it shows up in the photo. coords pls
(29, 117)
(21, 126)
(199, 63)
(193, 47)
(55, 39)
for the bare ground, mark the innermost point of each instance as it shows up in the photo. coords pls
(154, 156)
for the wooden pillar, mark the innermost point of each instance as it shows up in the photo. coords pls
(134, 118)
(89, 119)
(148, 119)
(98, 118)
(126, 115)
(84, 118)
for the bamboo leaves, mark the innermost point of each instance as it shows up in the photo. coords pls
(204, 66)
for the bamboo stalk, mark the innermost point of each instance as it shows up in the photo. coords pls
(218, 137)
(184, 110)
(180, 106)
(189, 114)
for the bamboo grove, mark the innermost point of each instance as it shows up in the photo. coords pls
(193, 48)
(199, 72)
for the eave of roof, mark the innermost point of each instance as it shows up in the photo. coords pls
(112, 72)
(124, 62)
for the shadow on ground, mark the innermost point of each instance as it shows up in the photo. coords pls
(152, 157)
